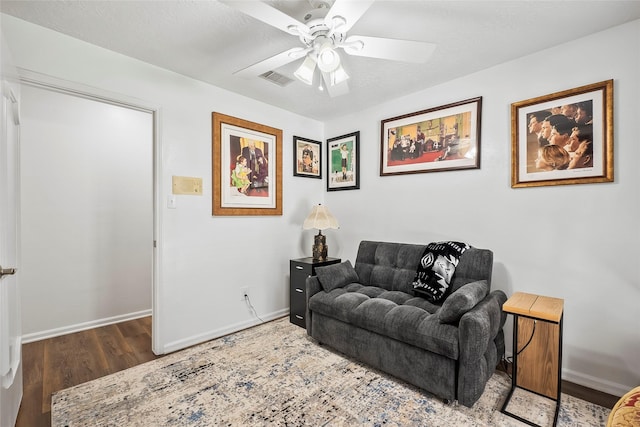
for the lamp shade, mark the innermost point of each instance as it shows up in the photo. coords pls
(320, 218)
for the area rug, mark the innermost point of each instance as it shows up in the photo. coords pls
(275, 375)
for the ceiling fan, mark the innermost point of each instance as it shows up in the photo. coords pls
(323, 32)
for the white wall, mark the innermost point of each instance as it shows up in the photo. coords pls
(87, 212)
(578, 242)
(574, 242)
(203, 259)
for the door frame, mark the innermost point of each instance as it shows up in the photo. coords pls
(11, 381)
(33, 78)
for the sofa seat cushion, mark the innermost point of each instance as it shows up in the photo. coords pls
(338, 303)
(423, 304)
(394, 314)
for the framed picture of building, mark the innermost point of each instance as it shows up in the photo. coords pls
(343, 162)
(563, 138)
(247, 167)
(438, 139)
(307, 158)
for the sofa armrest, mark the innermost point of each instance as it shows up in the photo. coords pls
(312, 287)
(479, 328)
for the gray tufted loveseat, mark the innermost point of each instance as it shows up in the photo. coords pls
(369, 312)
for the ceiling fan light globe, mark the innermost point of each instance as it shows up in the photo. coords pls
(304, 73)
(339, 76)
(328, 59)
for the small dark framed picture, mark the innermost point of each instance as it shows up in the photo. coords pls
(307, 158)
(343, 162)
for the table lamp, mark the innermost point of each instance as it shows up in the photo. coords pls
(320, 218)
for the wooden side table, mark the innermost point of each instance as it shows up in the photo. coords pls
(537, 347)
(300, 269)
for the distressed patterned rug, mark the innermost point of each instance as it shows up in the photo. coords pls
(274, 375)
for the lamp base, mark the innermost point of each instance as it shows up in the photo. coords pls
(320, 247)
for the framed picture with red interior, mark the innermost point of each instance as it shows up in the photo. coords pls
(437, 139)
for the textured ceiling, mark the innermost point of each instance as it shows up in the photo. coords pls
(209, 41)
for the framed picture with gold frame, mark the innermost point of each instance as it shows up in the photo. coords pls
(247, 167)
(563, 138)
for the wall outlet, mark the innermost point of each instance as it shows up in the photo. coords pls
(244, 291)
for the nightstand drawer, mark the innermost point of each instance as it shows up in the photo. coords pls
(300, 269)
(299, 276)
(298, 306)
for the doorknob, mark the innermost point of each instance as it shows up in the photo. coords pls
(7, 271)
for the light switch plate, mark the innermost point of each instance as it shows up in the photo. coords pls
(171, 202)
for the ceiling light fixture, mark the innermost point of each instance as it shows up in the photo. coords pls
(328, 58)
(322, 33)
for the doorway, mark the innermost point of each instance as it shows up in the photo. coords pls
(88, 209)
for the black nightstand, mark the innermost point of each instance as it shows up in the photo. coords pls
(302, 268)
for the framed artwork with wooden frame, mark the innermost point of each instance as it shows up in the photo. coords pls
(563, 138)
(247, 167)
(438, 139)
(343, 162)
(307, 158)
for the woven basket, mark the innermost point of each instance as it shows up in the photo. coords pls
(626, 413)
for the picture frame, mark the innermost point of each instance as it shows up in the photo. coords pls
(343, 162)
(247, 167)
(307, 158)
(551, 144)
(437, 139)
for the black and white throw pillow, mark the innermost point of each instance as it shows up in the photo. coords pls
(436, 269)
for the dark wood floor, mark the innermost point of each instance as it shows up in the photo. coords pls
(61, 362)
(58, 363)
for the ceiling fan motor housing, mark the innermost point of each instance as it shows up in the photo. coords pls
(316, 26)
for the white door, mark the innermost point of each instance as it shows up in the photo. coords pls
(10, 326)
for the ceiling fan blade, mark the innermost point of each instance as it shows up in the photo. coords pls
(383, 48)
(272, 63)
(350, 10)
(267, 14)
(337, 89)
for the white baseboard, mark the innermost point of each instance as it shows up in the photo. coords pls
(210, 335)
(37, 336)
(599, 384)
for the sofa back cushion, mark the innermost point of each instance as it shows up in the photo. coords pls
(392, 266)
(334, 276)
(475, 264)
